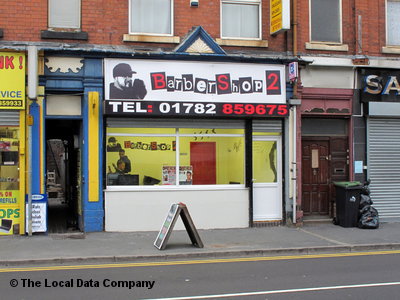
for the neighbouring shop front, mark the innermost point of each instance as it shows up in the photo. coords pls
(205, 134)
(326, 152)
(66, 138)
(380, 97)
(12, 134)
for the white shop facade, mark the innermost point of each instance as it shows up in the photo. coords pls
(207, 134)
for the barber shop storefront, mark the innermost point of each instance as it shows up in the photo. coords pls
(208, 135)
(380, 97)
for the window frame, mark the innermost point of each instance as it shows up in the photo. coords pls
(340, 25)
(150, 33)
(78, 27)
(245, 2)
(387, 27)
(177, 135)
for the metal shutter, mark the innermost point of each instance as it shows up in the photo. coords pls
(384, 166)
(9, 118)
(267, 126)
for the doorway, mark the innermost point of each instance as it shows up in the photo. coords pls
(267, 181)
(324, 161)
(63, 175)
(203, 161)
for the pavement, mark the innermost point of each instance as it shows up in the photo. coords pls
(111, 247)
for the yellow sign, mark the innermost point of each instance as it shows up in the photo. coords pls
(279, 15)
(12, 80)
(276, 15)
(10, 213)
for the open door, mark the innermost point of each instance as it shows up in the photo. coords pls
(63, 170)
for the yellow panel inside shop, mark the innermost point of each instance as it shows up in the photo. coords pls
(152, 154)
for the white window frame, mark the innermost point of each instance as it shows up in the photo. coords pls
(150, 33)
(386, 25)
(340, 26)
(177, 125)
(247, 2)
(66, 27)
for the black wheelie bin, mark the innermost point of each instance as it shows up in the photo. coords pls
(347, 202)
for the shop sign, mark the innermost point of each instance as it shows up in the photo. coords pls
(12, 80)
(39, 217)
(10, 212)
(39, 213)
(381, 85)
(9, 196)
(280, 15)
(194, 88)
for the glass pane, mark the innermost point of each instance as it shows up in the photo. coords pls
(315, 126)
(140, 160)
(128, 131)
(151, 16)
(264, 161)
(325, 20)
(240, 20)
(212, 160)
(199, 131)
(9, 165)
(9, 180)
(64, 13)
(393, 23)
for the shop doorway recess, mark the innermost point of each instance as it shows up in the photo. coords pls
(63, 175)
(324, 161)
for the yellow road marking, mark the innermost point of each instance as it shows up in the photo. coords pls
(193, 262)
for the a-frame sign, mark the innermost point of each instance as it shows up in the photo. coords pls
(177, 209)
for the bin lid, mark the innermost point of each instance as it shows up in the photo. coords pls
(347, 184)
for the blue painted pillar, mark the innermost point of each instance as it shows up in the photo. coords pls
(92, 204)
(34, 111)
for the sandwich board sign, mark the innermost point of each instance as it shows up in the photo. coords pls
(177, 209)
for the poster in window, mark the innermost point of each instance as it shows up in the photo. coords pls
(185, 175)
(169, 175)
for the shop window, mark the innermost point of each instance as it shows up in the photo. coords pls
(325, 21)
(175, 156)
(393, 22)
(65, 14)
(151, 17)
(9, 162)
(241, 19)
(265, 162)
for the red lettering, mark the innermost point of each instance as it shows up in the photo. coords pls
(223, 82)
(158, 81)
(6, 62)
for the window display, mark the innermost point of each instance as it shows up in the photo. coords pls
(9, 180)
(151, 156)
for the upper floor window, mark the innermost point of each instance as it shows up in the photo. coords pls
(241, 19)
(65, 14)
(151, 17)
(393, 22)
(326, 21)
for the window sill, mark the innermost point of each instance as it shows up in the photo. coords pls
(64, 35)
(151, 39)
(242, 43)
(327, 47)
(391, 49)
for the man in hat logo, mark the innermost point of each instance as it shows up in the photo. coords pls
(124, 85)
